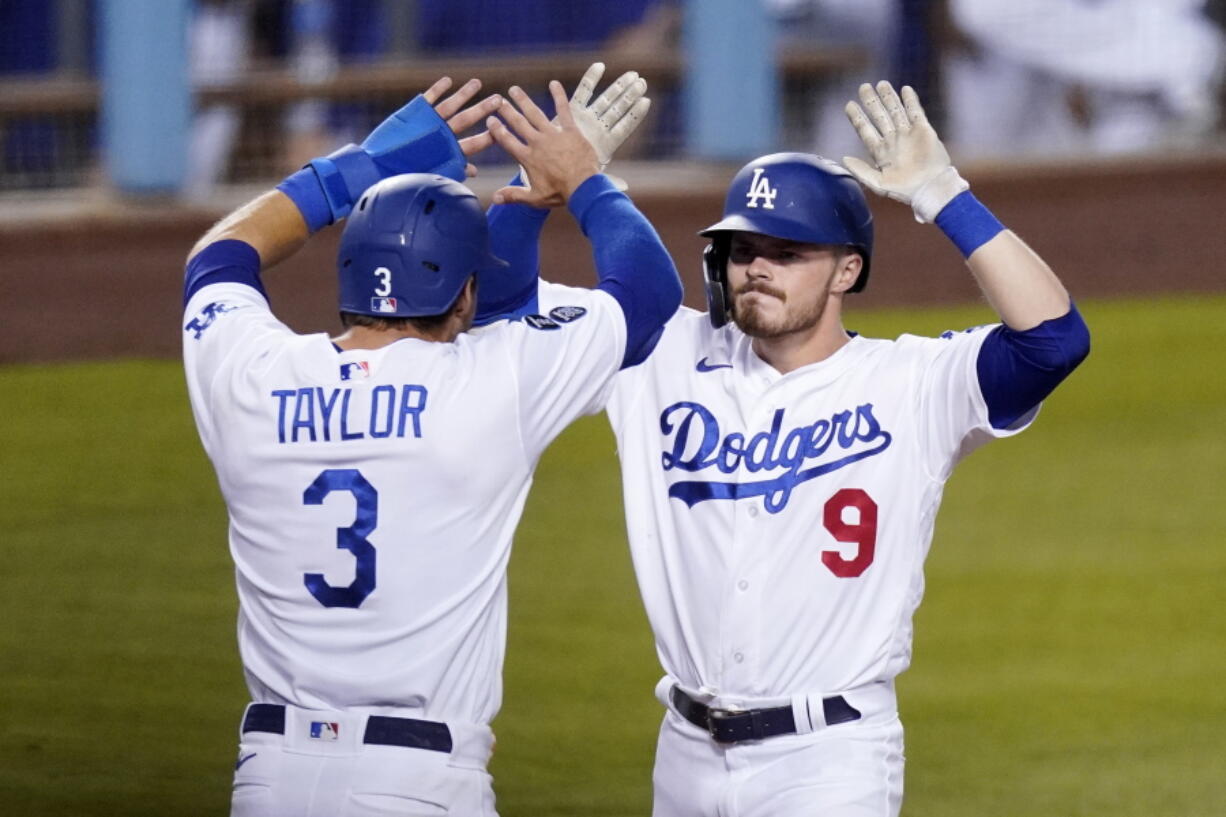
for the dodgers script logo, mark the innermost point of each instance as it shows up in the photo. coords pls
(760, 188)
(804, 452)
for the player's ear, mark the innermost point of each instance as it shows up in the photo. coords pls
(846, 272)
(466, 301)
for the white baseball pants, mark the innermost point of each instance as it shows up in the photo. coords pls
(335, 774)
(846, 770)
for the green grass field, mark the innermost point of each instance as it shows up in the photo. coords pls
(1068, 659)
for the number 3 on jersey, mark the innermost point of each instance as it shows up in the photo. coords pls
(352, 538)
(863, 533)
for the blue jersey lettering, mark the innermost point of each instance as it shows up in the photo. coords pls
(694, 428)
(328, 414)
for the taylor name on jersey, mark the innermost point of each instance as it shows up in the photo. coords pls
(319, 414)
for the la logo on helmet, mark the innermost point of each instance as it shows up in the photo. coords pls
(760, 188)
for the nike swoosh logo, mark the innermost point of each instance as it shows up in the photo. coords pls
(704, 366)
(243, 760)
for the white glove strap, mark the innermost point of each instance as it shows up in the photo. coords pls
(937, 192)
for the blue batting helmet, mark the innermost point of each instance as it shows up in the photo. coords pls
(409, 246)
(797, 196)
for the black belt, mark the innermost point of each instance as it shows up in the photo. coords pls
(380, 729)
(734, 725)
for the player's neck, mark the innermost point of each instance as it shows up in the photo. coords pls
(789, 352)
(365, 337)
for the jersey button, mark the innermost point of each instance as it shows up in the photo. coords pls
(739, 657)
(753, 511)
(742, 585)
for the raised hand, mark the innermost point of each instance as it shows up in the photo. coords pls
(460, 118)
(556, 154)
(418, 138)
(609, 121)
(911, 163)
(616, 113)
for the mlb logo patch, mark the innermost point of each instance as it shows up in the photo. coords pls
(382, 304)
(325, 730)
(566, 314)
(355, 371)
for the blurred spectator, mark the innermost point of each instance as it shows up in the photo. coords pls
(316, 38)
(219, 45)
(618, 31)
(1069, 76)
(483, 26)
(28, 39)
(323, 36)
(871, 25)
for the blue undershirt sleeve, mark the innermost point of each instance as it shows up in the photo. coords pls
(515, 234)
(632, 264)
(226, 261)
(307, 193)
(1018, 369)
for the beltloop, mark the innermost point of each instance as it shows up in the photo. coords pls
(801, 715)
(664, 690)
(869, 701)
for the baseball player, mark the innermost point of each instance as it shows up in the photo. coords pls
(374, 480)
(782, 475)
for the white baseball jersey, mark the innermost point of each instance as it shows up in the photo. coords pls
(373, 494)
(779, 522)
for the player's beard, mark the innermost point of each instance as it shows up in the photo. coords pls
(756, 322)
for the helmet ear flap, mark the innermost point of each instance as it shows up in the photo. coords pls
(715, 277)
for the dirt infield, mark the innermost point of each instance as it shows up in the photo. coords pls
(105, 282)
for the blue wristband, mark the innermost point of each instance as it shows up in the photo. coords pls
(968, 223)
(306, 192)
(345, 175)
(415, 139)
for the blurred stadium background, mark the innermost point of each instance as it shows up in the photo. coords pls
(1069, 656)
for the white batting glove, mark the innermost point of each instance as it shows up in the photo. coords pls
(615, 114)
(912, 165)
(609, 121)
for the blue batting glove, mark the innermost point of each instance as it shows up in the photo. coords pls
(415, 139)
